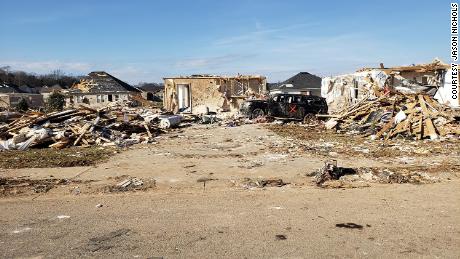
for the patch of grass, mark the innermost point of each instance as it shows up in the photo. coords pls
(44, 158)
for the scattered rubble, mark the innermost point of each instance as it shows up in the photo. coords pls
(131, 184)
(261, 183)
(331, 172)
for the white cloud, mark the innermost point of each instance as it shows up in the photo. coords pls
(211, 62)
(260, 34)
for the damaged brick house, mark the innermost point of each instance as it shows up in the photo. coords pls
(202, 93)
(432, 79)
(11, 95)
(98, 89)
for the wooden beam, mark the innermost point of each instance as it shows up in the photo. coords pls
(420, 129)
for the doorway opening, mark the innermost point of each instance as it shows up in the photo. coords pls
(183, 96)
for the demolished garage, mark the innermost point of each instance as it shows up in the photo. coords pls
(208, 93)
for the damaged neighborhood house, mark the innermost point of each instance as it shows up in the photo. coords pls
(98, 89)
(200, 94)
(433, 79)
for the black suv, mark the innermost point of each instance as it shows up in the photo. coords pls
(289, 106)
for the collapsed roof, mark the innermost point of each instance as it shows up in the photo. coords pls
(102, 82)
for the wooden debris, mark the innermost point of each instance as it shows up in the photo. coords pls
(426, 118)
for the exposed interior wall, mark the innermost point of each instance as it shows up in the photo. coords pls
(343, 90)
(216, 94)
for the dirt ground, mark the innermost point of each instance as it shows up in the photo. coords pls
(202, 197)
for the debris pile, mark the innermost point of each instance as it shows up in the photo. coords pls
(330, 171)
(110, 126)
(398, 115)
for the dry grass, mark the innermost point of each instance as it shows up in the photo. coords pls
(44, 158)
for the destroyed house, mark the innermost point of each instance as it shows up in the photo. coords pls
(99, 89)
(433, 79)
(208, 93)
(301, 83)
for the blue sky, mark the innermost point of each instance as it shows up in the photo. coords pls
(147, 40)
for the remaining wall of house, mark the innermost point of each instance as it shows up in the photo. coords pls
(4, 101)
(216, 94)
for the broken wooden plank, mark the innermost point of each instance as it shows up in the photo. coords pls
(430, 129)
(82, 133)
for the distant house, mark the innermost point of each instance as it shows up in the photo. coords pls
(9, 88)
(46, 91)
(202, 93)
(302, 82)
(98, 89)
(152, 91)
(27, 89)
(11, 95)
